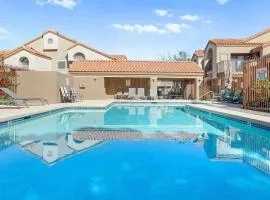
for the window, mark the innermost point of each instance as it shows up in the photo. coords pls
(79, 56)
(24, 62)
(50, 41)
(61, 64)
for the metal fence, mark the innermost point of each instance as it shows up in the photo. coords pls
(257, 84)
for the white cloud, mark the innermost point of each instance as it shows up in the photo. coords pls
(163, 13)
(140, 28)
(221, 2)
(207, 21)
(4, 33)
(161, 29)
(69, 4)
(176, 28)
(189, 17)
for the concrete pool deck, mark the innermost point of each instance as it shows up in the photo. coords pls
(230, 110)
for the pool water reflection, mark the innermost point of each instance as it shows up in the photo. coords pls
(173, 153)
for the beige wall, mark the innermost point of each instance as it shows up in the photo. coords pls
(266, 51)
(224, 53)
(42, 84)
(94, 87)
(263, 38)
(221, 53)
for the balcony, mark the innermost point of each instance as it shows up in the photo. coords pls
(236, 66)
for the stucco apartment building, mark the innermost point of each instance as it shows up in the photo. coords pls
(223, 59)
(55, 60)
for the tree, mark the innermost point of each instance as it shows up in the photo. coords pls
(179, 56)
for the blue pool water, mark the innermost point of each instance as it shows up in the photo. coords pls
(207, 157)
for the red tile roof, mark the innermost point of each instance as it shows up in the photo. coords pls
(199, 53)
(4, 52)
(140, 67)
(233, 42)
(29, 50)
(240, 41)
(120, 57)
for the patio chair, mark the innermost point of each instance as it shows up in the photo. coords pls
(220, 96)
(132, 93)
(141, 94)
(118, 95)
(125, 95)
(238, 96)
(76, 96)
(228, 96)
(66, 96)
(18, 101)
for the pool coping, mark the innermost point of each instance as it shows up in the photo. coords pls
(240, 115)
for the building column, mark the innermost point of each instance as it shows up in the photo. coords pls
(197, 83)
(153, 87)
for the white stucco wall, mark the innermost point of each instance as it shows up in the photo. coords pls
(54, 44)
(89, 55)
(56, 56)
(35, 62)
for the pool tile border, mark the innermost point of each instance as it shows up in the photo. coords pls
(241, 119)
(190, 104)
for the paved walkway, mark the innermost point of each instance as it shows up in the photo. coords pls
(7, 114)
(237, 107)
(235, 112)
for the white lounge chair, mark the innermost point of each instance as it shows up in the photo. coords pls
(132, 93)
(76, 96)
(66, 96)
(141, 93)
(18, 101)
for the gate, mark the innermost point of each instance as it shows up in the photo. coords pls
(257, 84)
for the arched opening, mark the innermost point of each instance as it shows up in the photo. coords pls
(209, 64)
(79, 56)
(24, 62)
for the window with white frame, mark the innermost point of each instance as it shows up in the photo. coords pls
(79, 56)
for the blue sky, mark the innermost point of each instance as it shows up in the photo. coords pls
(140, 29)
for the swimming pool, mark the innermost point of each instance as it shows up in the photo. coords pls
(134, 152)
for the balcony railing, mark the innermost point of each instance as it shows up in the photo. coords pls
(236, 66)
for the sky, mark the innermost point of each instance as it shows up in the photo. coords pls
(139, 29)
